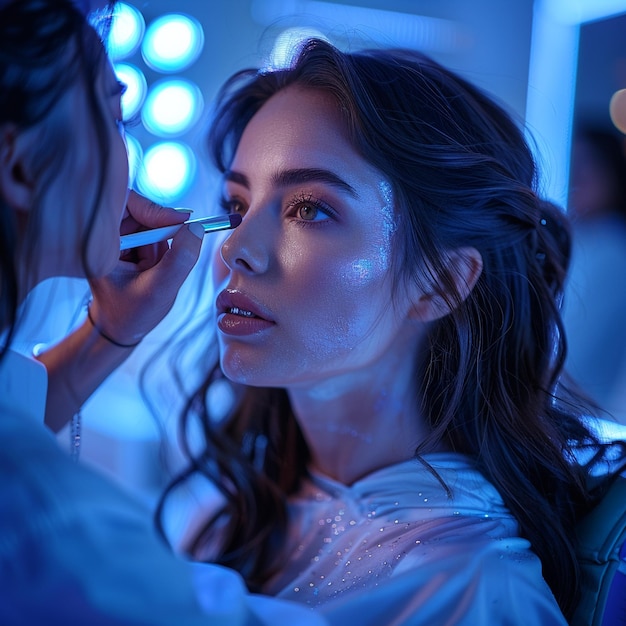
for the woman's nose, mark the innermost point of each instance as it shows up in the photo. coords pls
(247, 247)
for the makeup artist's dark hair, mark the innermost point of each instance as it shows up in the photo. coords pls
(45, 47)
(462, 175)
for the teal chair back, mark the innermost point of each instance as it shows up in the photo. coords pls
(602, 554)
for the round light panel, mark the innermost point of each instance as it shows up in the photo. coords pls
(166, 172)
(172, 42)
(136, 88)
(127, 30)
(172, 107)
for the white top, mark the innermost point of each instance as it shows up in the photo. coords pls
(75, 549)
(394, 549)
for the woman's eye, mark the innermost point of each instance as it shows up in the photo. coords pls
(308, 212)
(311, 211)
(232, 205)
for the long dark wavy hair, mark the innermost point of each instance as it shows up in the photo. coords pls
(45, 47)
(462, 174)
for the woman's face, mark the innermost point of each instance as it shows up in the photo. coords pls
(105, 237)
(304, 283)
(68, 201)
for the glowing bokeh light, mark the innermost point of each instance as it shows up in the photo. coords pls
(172, 107)
(617, 110)
(136, 88)
(172, 42)
(127, 30)
(167, 171)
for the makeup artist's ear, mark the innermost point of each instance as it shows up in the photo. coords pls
(16, 188)
(465, 266)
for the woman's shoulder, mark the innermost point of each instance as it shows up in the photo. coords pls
(435, 485)
(470, 582)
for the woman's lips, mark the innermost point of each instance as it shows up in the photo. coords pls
(240, 315)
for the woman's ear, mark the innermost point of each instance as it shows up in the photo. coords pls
(464, 266)
(16, 188)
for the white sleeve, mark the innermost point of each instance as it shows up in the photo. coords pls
(76, 550)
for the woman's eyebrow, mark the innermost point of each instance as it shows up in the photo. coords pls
(286, 178)
(237, 177)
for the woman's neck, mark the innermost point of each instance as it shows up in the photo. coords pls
(362, 421)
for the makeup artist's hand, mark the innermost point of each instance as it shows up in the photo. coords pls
(126, 305)
(138, 294)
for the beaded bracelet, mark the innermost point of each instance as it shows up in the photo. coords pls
(105, 336)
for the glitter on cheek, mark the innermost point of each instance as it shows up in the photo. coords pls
(389, 225)
(359, 272)
(364, 270)
(388, 209)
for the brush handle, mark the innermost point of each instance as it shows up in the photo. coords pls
(146, 237)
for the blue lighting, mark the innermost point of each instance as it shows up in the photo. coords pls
(127, 31)
(167, 171)
(580, 11)
(172, 107)
(552, 82)
(431, 34)
(288, 43)
(136, 88)
(172, 42)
